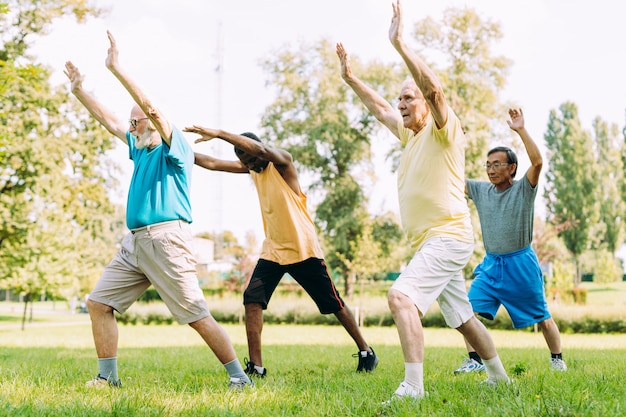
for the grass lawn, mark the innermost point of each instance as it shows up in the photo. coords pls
(167, 371)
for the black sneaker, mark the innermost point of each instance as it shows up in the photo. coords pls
(251, 370)
(366, 363)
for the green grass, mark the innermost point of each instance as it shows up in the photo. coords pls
(167, 371)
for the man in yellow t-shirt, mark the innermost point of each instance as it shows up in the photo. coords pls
(290, 246)
(433, 210)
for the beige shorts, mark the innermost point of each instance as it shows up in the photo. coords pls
(159, 255)
(436, 273)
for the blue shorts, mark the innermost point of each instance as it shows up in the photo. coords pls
(513, 280)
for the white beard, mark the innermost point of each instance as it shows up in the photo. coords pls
(143, 141)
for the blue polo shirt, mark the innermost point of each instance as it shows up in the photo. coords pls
(160, 186)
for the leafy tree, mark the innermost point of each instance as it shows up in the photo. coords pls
(571, 190)
(58, 226)
(328, 132)
(611, 178)
(395, 249)
(603, 264)
(365, 252)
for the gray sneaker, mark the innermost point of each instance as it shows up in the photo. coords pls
(469, 365)
(240, 384)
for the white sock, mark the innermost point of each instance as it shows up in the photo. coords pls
(495, 369)
(414, 375)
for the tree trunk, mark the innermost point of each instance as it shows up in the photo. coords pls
(579, 273)
(349, 284)
(26, 300)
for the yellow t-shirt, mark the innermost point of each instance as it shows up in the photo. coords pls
(431, 183)
(290, 235)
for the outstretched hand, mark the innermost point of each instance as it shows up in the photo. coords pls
(74, 75)
(517, 119)
(346, 68)
(205, 133)
(397, 26)
(112, 53)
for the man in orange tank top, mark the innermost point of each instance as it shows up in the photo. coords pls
(290, 246)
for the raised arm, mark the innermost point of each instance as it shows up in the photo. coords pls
(161, 124)
(424, 77)
(536, 161)
(214, 164)
(378, 106)
(255, 155)
(97, 110)
(278, 156)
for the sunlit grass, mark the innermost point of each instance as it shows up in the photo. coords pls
(168, 371)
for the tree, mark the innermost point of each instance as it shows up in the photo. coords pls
(611, 178)
(571, 190)
(328, 132)
(58, 226)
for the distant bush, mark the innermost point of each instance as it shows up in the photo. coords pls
(501, 321)
(587, 309)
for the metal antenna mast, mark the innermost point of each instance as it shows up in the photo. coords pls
(219, 70)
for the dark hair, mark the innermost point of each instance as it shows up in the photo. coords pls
(248, 135)
(511, 158)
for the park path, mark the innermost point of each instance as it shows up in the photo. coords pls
(53, 318)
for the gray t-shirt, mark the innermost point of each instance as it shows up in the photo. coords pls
(506, 217)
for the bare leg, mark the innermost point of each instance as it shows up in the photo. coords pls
(216, 338)
(476, 335)
(254, 327)
(552, 335)
(469, 347)
(104, 329)
(409, 325)
(346, 318)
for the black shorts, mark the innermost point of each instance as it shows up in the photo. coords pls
(311, 274)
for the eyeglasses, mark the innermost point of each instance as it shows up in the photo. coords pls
(495, 165)
(133, 122)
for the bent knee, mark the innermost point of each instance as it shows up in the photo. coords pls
(398, 300)
(97, 307)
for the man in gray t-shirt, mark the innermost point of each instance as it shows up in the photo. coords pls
(509, 275)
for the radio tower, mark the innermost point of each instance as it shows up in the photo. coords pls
(219, 200)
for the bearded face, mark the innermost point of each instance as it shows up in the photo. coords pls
(143, 140)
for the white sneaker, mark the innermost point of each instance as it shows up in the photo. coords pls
(407, 390)
(99, 382)
(558, 365)
(493, 382)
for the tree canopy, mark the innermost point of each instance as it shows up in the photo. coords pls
(58, 226)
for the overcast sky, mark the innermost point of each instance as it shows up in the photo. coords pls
(562, 50)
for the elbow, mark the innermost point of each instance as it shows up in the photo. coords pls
(434, 95)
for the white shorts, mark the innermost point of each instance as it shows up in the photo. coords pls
(436, 273)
